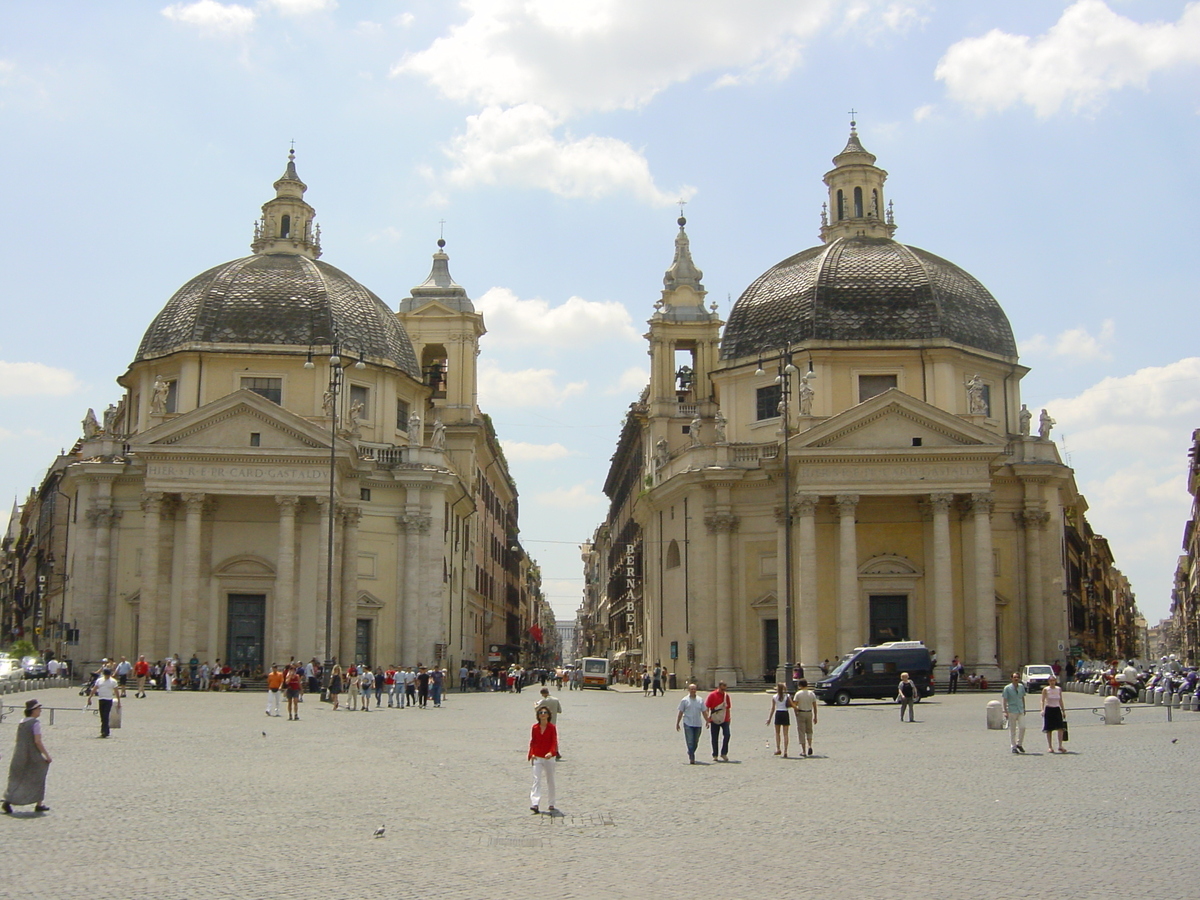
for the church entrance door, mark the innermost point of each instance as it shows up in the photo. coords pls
(362, 641)
(246, 628)
(770, 648)
(889, 618)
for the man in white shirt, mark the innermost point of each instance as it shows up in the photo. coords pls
(106, 690)
(694, 716)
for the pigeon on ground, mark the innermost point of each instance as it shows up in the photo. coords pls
(379, 831)
(264, 734)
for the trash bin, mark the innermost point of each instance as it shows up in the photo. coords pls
(671, 681)
(995, 715)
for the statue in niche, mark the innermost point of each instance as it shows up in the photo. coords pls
(414, 428)
(694, 430)
(1025, 417)
(806, 396)
(110, 420)
(158, 399)
(975, 399)
(327, 404)
(719, 423)
(356, 410)
(1045, 423)
(91, 426)
(439, 435)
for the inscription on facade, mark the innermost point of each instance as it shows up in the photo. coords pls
(184, 472)
(890, 472)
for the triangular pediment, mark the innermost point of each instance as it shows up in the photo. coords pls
(891, 421)
(227, 423)
(367, 600)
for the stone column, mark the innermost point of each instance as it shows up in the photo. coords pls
(985, 587)
(849, 622)
(351, 515)
(285, 617)
(943, 583)
(805, 510)
(721, 525)
(416, 527)
(781, 590)
(101, 517)
(1035, 603)
(151, 554)
(189, 601)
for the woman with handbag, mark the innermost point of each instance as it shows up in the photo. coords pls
(781, 706)
(1054, 715)
(718, 704)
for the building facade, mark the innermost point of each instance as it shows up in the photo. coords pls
(1183, 627)
(847, 461)
(294, 470)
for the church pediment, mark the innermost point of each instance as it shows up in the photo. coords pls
(891, 421)
(229, 422)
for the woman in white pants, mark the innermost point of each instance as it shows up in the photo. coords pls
(543, 753)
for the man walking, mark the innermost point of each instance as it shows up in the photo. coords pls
(956, 670)
(551, 703)
(1013, 697)
(422, 687)
(141, 670)
(274, 686)
(124, 667)
(105, 690)
(694, 717)
(718, 703)
(805, 702)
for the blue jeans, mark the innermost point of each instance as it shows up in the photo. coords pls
(691, 734)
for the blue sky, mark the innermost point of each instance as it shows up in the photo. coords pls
(1048, 148)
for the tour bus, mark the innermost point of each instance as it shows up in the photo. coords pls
(595, 672)
(873, 673)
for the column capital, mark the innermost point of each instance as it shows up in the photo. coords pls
(414, 524)
(350, 514)
(806, 504)
(287, 503)
(194, 501)
(941, 502)
(102, 516)
(1032, 519)
(152, 501)
(981, 503)
(846, 504)
(721, 523)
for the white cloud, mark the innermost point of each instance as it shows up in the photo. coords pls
(526, 387)
(404, 20)
(213, 18)
(1089, 52)
(576, 497)
(300, 7)
(631, 381)
(30, 379)
(1127, 438)
(618, 54)
(512, 321)
(519, 147)
(521, 451)
(921, 113)
(1077, 344)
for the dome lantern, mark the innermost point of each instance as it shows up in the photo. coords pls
(288, 223)
(856, 202)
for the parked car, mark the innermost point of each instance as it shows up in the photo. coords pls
(872, 673)
(9, 668)
(34, 667)
(1036, 677)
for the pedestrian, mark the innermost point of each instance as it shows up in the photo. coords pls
(169, 673)
(437, 682)
(352, 687)
(294, 687)
(391, 678)
(423, 686)
(274, 688)
(380, 680)
(124, 667)
(366, 681)
(462, 679)
(805, 703)
(1013, 697)
(141, 671)
(205, 676)
(956, 670)
(656, 679)
(906, 695)
(313, 672)
(694, 717)
(106, 690)
(410, 686)
(645, 682)
(30, 764)
(552, 703)
(335, 687)
(825, 667)
(543, 754)
(780, 714)
(1054, 716)
(719, 703)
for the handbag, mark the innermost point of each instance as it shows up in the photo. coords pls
(114, 718)
(717, 716)
(1066, 734)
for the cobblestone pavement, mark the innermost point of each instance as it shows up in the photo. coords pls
(203, 796)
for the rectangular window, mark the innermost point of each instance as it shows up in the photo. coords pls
(872, 385)
(768, 402)
(402, 416)
(364, 493)
(255, 439)
(172, 404)
(271, 388)
(361, 395)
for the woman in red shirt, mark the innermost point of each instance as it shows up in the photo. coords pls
(543, 751)
(291, 681)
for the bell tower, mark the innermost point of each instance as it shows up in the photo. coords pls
(856, 206)
(684, 340)
(288, 224)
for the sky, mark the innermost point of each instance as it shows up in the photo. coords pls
(1048, 148)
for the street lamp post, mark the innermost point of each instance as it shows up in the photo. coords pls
(785, 369)
(337, 372)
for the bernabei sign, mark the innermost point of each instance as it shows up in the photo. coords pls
(188, 472)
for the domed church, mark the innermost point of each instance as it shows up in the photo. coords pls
(295, 470)
(846, 462)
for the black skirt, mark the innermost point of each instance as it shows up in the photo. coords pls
(783, 717)
(1052, 719)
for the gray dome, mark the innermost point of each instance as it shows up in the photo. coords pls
(865, 289)
(278, 298)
